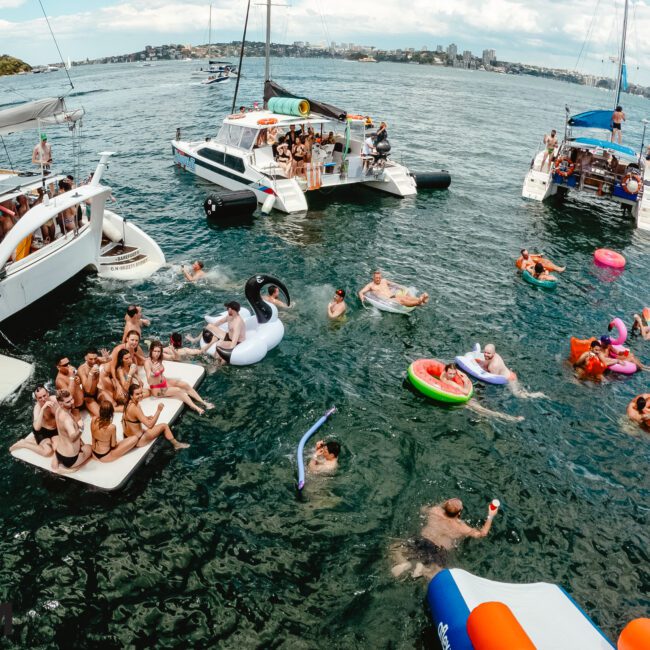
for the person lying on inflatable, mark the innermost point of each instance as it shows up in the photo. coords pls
(528, 260)
(391, 290)
(594, 361)
(456, 379)
(638, 410)
(619, 354)
(540, 273)
(493, 363)
(640, 324)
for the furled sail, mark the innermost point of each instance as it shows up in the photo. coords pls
(271, 89)
(41, 112)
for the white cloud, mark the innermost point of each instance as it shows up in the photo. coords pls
(11, 4)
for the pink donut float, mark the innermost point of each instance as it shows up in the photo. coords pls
(607, 257)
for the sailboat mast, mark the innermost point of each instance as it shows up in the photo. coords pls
(210, 34)
(267, 51)
(621, 58)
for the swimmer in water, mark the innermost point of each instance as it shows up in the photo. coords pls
(641, 326)
(274, 297)
(336, 308)
(540, 273)
(197, 272)
(638, 410)
(442, 532)
(326, 457)
(493, 363)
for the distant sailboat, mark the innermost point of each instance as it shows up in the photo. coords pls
(68, 64)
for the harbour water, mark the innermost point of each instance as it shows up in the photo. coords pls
(209, 547)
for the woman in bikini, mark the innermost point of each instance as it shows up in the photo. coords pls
(105, 446)
(299, 156)
(126, 375)
(136, 424)
(160, 386)
(175, 350)
(285, 159)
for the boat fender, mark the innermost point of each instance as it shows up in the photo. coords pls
(439, 180)
(111, 231)
(241, 203)
(383, 147)
(268, 204)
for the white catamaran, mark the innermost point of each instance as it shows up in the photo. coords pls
(588, 162)
(244, 153)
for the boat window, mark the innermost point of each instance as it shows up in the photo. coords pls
(247, 138)
(230, 134)
(212, 154)
(234, 162)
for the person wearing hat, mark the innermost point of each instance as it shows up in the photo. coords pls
(236, 333)
(337, 307)
(42, 154)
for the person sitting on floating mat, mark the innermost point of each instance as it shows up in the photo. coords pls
(388, 289)
(326, 457)
(640, 325)
(455, 378)
(638, 410)
(527, 260)
(441, 533)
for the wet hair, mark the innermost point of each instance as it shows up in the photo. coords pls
(40, 387)
(132, 332)
(62, 394)
(132, 310)
(207, 336)
(450, 510)
(450, 366)
(91, 351)
(539, 268)
(200, 264)
(120, 356)
(176, 340)
(272, 289)
(106, 412)
(333, 447)
(153, 345)
(641, 403)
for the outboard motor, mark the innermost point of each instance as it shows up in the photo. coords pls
(224, 205)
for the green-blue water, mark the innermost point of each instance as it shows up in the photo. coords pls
(209, 547)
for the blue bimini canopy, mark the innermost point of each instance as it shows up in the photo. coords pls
(593, 120)
(605, 144)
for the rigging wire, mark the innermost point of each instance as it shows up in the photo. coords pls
(241, 57)
(67, 72)
(4, 144)
(587, 36)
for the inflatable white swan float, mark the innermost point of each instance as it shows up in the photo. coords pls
(264, 330)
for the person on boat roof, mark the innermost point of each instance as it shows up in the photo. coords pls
(618, 117)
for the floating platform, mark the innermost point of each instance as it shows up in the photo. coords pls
(13, 374)
(113, 475)
(541, 613)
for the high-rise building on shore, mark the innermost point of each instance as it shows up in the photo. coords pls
(489, 57)
(452, 51)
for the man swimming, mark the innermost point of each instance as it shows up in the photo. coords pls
(638, 410)
(273, 297)
(387, 289)
(196, 273)
(442, 532)
(326, 457)
(336, 308)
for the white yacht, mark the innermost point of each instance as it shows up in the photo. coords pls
(32, 265)
(587, 162)
(242, 155)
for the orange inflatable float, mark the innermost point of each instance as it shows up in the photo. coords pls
(635, 635)
(546, 263)
(493, 626)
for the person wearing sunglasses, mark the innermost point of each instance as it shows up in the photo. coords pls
(336, 308)
(442, 532)
(68, 379)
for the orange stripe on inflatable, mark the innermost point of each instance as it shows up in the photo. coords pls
(493, 626)
(635, 635)
(578, 347)
(646, 313)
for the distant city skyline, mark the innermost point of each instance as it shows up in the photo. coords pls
(546, 34)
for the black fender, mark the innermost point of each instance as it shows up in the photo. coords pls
(253, 290)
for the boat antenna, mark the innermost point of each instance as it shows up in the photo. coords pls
(621, 58)
(57, 45)
(241, 57)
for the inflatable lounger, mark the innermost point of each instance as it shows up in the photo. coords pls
(13, 374)
(389, 304)
(113, 475)
(468, 614)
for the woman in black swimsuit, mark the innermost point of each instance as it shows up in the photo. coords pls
(105, 446)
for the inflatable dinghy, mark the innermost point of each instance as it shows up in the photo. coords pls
(113, 475)
(472, 613)
(13, 374)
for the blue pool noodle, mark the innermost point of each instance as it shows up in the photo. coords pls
(301, 446)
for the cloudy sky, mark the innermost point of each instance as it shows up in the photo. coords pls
(582, 33)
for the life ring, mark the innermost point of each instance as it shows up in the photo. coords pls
(631, 177)
(236, 116)
(267, 120)
(355, 117)
(607, 257)
(570, 167)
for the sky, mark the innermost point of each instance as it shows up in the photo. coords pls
(581, 34)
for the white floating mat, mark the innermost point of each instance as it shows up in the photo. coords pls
(113, 475)
(13, 374)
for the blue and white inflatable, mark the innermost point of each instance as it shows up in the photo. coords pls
(264, 330)
(542, 615)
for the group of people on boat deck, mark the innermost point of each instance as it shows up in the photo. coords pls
(106, 383)
(295, 148)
